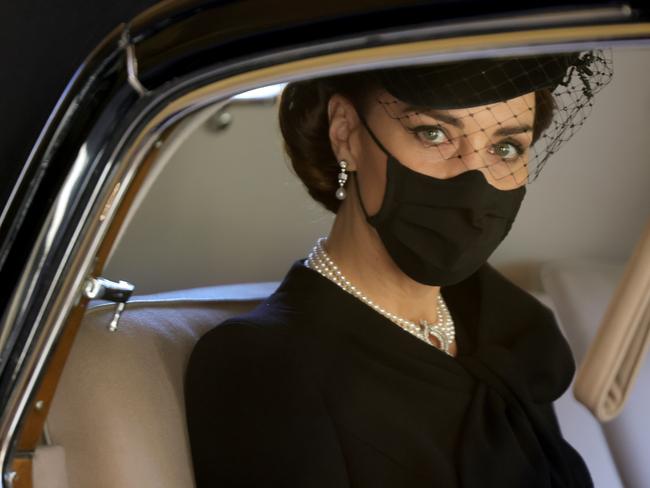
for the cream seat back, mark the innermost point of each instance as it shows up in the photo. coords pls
(581, 290)
(119, 409)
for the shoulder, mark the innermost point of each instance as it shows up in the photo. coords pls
(503, 298)
(235, 349)
(259, 343)
(258, 332)
(502, 307)
(525, 326)
(255, 353)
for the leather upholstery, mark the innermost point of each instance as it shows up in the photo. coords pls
(119, 408)
(581, 291)
(49, 469)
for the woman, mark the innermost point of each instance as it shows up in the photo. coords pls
(394, 355)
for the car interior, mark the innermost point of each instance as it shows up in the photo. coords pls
(219, 216)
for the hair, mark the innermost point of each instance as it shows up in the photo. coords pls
(304, 123)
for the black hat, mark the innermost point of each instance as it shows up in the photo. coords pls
(477, 82)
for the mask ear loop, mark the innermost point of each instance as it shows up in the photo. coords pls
(356, 185)
(374, 137)
(381, 146)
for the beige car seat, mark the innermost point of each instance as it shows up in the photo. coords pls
(118, 413)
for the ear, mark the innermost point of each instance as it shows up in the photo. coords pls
(344, 130)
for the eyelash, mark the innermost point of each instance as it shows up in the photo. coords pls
(423, 128)
(518, 147)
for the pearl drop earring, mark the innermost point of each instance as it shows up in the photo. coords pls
(342, 177)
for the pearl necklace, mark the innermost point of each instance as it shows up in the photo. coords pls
(443, 330)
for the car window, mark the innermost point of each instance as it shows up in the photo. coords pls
(228, 207)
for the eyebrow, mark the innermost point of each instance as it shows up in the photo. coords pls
(508, 131)
(436, 114)
(456, 122)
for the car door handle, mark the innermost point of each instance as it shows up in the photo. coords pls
(104, 289)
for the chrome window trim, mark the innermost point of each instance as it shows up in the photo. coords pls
(43, 147)
(124, 161)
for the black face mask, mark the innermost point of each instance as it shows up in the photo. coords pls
(440, 231)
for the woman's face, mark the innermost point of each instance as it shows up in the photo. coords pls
(493, 139)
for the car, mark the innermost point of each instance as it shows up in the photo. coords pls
(128, 232)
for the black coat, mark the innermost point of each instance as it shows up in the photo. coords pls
(313, 388)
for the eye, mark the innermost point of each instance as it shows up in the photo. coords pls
(430, 134)
(506, 150)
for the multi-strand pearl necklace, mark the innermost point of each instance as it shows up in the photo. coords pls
(443, 330)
